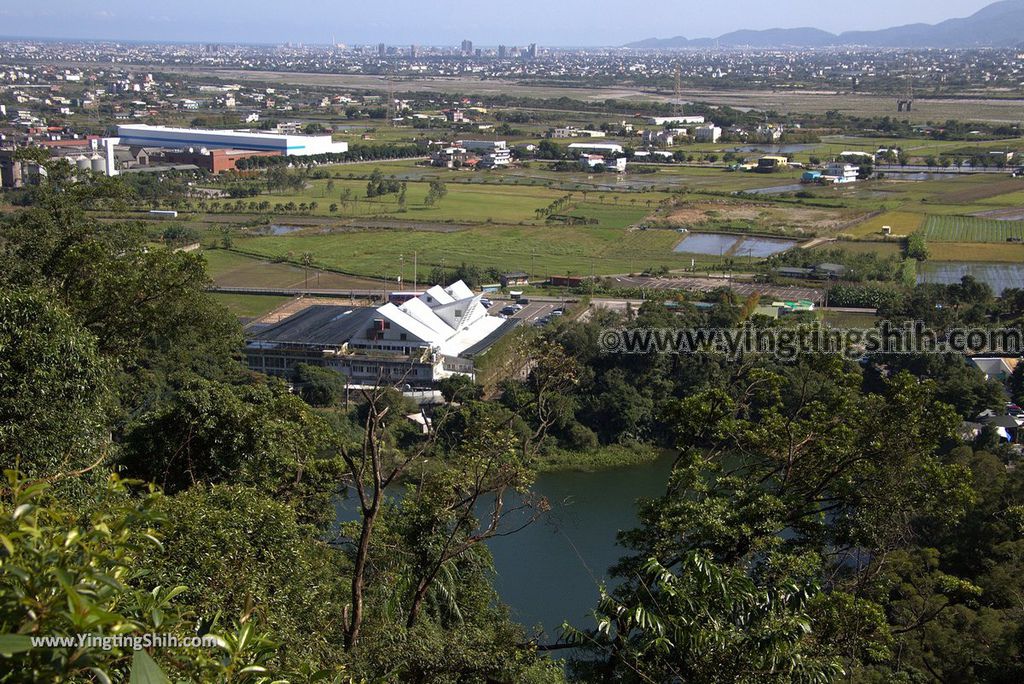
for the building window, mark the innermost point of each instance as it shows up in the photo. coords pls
(403, 337)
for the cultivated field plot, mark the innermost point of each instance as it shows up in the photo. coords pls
(248, 306)
(764, 216)
(999, 277)
(971, 229)
(547, 249)
(229, 269)
(901, 222)
(976, 251)
(882, 249)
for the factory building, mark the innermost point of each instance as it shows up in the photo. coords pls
(596, 148)
(143, 135)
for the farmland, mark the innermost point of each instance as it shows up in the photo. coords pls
(972, 229)
(544, 249)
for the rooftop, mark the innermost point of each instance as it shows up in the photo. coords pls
(322, 325)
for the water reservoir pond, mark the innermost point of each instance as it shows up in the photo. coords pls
(722, 244)
(999, 277)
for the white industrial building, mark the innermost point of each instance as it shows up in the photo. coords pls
(684, 120)
(597, 148)
(144, 135)
(482, 145)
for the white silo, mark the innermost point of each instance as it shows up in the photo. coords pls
(82, 162)
(98, 164)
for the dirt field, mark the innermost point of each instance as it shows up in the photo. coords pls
(766, 216)
(979, 192)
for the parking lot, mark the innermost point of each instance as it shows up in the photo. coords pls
(530, 313)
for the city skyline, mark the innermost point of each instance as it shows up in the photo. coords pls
(569, 24)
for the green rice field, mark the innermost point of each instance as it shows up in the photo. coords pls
(971, 229)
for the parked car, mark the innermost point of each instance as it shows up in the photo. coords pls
(509, 311)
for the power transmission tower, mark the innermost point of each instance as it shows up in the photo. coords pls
(391, 110)
(679, 91)
(906, 101)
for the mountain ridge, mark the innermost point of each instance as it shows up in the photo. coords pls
(1000, 24)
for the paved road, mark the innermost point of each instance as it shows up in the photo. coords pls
(743, 289)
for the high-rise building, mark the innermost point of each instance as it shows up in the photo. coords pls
(467, 48)
(413, 50)
(502, 52)
(382, 50)
(532, 52)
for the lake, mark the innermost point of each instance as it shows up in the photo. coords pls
(998, 276)
(723, 244)
(550, 571)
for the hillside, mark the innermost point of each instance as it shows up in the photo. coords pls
(998, 25)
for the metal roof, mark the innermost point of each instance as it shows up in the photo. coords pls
(483, 345)
(323, 325)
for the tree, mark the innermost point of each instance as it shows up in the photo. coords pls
(68, 574)
(320, 386)
(53, 388)
(256, 435)
(784, 478)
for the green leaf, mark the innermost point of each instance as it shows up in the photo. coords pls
(14, 643)
(146, 671)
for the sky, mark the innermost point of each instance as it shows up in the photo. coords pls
(446, 22)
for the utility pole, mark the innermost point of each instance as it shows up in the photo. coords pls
(415, 271)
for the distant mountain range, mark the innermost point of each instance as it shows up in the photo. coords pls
(999, 25)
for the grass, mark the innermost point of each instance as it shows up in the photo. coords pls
(540, 250)
(600, 458)
(882, 249)
(971, 229)
(965, 251)
(902, 223)
(248, 306)
(230, 269)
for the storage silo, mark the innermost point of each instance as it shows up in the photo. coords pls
(98, 164)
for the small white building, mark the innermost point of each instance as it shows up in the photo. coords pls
(839, 172)
(708, 134)
(592, 161)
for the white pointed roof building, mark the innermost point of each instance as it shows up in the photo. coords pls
(443, 320)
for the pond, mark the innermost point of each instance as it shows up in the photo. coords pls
(892, 175)
(722, 244)
(999, 277)
(776, 190)
(550, 571)
(278, 229)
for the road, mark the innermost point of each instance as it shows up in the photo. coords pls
(743, 289)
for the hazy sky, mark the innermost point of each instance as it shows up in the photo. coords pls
(445, 22)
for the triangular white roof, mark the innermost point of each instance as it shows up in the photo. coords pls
(459, 290)
(425, 315)
(408, 323)
(436, 296)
